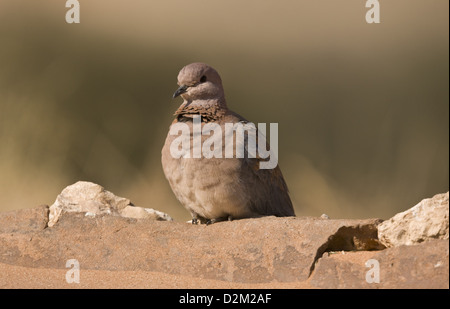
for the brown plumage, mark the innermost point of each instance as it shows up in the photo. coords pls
(216, 189)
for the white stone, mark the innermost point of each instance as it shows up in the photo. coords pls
(427, 220)
(144, 213)
(94, 200)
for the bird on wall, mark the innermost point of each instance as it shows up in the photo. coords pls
(215, 189)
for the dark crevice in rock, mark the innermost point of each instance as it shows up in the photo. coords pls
(350, 238)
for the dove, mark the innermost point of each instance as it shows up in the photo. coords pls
(215, 189)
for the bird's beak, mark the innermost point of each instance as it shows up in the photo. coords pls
(181, 90)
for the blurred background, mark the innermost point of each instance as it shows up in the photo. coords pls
(363, 109)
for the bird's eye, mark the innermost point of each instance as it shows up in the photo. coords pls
(203, 79)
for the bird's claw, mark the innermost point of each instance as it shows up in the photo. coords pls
(211, 221)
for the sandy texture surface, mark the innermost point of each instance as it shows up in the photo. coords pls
(13, 277)
(18, 277)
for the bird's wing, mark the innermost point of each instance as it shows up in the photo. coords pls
(268, 190)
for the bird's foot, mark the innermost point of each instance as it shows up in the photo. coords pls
(211, 221)
(194, 221)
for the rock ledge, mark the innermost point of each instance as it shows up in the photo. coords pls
(93, 226)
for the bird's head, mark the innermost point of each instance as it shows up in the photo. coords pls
(199, 81)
